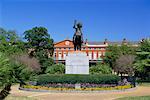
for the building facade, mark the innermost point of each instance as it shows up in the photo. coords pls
(94, 50)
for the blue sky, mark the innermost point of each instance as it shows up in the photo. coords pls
(111, 19)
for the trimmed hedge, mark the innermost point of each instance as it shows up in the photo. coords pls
(73, 79)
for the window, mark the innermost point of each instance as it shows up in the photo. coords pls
(64, 55)
(59, 56)
(95, 55)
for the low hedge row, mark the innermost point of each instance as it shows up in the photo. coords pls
(73, 79)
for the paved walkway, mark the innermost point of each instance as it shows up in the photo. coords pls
(140, 91)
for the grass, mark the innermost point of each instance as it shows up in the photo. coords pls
(135, 98)
(144, 84)
(18, 98)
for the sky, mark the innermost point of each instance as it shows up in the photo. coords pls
(111, 19)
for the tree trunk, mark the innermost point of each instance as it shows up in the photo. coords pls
(20, 80)
(4, 93)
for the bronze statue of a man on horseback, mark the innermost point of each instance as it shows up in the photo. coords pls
(78, 36)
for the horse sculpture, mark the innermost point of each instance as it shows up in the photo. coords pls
(78, 36)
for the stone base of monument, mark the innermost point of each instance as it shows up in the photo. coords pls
(77, 63)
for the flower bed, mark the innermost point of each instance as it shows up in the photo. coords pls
(77, 82)
(80, 89)
(83, 85)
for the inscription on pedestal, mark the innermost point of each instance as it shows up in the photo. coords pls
(77, 63)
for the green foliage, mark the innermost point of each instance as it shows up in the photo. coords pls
(111, 55)
(100, 69)
(42, 44)
(142, 64)
(135, 98)
(5, 71)
(11, 69)
(10, 42)
(44, 60)
(46, 63)
(113, 52)
(12, 72)
(39, 39)
(20, 72)
(120, 58)
(73, 79)
(56, 69)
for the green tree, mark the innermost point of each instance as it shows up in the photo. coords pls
(10, 43)
(39, 39)
(41, 44)
(16, 69)
(44, 60)
(113, 52)
(5, 76)
(142, 64)
(13, 68)
(100, 69)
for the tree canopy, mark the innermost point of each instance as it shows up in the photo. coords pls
(14, 67)
(113, 52)
(39, 39)
(40, 45)
(142, 64)
(10, 43)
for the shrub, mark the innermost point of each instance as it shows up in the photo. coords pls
(73, 79)
(100, 69)
(143, 80)
(56, 69)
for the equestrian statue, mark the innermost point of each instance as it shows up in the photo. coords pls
(78, 36)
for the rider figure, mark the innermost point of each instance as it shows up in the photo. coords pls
(76, 40)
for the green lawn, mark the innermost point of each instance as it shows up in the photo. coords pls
(144, 84)
(18, 98)
(135, 98)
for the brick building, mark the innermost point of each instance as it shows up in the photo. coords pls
(94, 50)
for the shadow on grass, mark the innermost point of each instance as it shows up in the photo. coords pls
(135, 98)
(19, 98)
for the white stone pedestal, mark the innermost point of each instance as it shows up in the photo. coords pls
(77, 63)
